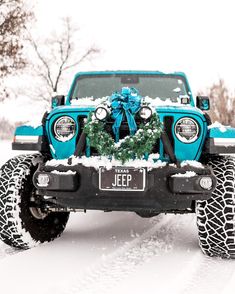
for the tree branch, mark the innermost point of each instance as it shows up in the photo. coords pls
(44, 62)
(64, 55)
(88, 53)
(61, 55)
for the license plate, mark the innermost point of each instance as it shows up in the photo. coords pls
(122, 179)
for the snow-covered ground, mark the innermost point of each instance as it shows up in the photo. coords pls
(116, 253)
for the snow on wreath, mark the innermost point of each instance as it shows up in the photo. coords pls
(139, 144)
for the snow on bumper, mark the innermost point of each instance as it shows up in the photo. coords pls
(165, 187)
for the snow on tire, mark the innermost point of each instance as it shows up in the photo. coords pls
(216, 216)
(20, 225)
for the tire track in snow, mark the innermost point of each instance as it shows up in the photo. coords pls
(6, 251)
(229, 287)
(202, 273)
(105, 275)
(210, 272)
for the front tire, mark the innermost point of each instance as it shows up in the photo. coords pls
(22, 226)
(216, 216)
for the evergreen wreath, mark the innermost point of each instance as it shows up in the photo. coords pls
(131, 147)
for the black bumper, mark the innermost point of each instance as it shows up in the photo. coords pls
(212, 148)
(41, 145)
(78, 187)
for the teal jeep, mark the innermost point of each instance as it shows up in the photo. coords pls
(122, 141)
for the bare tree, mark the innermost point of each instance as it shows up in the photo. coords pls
(13, 17)
(7, 129)
(222, 103)
(56, 55)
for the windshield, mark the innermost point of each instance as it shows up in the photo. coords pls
(161, 86)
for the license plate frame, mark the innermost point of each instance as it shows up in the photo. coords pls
(112, 177)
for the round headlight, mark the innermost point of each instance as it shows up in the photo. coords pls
(101, 113)
(64, 128)
(187, 130)
(145, 112)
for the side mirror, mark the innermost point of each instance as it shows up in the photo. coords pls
(57, 101)
(203, 102)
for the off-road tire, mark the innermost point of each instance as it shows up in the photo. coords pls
(216, 216)
(18, 226)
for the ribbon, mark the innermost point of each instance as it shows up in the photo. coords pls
(125, 103)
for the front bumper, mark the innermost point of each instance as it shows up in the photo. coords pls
(167, 188)
(30, 143)
(219, 146)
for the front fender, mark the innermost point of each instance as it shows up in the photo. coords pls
(29, 138)
(221, 139)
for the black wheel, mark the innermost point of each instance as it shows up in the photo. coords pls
(216, 216)
(21, 225)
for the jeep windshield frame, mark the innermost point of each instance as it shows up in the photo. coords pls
(155, 85)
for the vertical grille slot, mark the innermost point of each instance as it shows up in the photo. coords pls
(81, 118)
(156, 147)
(168, 122)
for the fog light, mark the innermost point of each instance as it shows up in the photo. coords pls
(206, 183)
(43, 180)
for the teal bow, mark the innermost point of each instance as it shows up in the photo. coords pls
(125, 103)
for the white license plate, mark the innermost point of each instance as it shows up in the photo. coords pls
(122, 179)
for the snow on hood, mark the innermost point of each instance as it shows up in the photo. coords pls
(88, 101)
(221, 127)
(154, 102)
(34, 123)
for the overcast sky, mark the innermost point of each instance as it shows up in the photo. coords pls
(196, 37)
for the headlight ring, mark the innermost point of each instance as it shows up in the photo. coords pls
(187, 130)
(64, 128)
